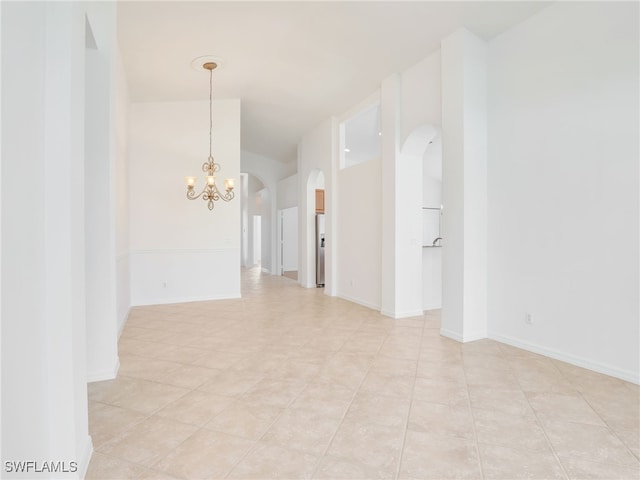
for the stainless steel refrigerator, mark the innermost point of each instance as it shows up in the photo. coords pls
(319, 250)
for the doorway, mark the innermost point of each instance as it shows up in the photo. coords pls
(289, 243)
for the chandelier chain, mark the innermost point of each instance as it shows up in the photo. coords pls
(210, 110)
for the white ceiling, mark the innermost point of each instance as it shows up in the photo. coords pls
(292, 64)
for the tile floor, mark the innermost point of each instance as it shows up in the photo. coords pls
(289, 383)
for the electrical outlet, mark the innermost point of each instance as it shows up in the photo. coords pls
(528, 318)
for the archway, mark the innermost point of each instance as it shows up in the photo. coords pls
(419, 167)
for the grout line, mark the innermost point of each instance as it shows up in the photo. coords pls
(473, 419)
(544, 432)
(340, 423)
(413, 387)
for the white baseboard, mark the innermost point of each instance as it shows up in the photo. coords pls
(109, 374)
(172, 300)
(83, 463)
(358, 301)
(407, 314)
(469, 337)
(432, 306)
(451, 334)
(625, 375)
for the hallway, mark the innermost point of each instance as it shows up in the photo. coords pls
(290, 383)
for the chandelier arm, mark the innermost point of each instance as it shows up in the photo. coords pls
(216, 194)
(191, 194)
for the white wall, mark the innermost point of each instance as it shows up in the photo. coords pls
(359, 233)
(290, 239)
(123, 293)
(287, 200)
(421, 102)
(24, 410)
(176, 243)
(44, 246)
(563, 185)
(263, 207)
(102, 149)
(288, 192)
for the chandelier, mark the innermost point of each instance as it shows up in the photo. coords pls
(210, 192)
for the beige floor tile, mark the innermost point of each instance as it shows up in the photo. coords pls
(566, 408)
(503, 463)
(440, 355)
(275, 462)
(616, 406)
(580, 469)
(396, 349)
(384, 410)
(392, 385)
(107, 421)
(441, 419)
(309, 355)
(498, 428)
(440, 390)
(479, 375)
(485, 361)
(141, 348)
(327, 399)
(631, 438)
(219, 360)
(231, 383)
(448, 371)
(205, 455)
(367, 345)
(376, 446)
(183, 355)
(104, 467)
(270, 381)
(189, 376)
(243, 420)
(510, 401)
(149, 441)
(145, 368)
(334, 468)
(429, 456)
(135, 394)
(273, 392)
(296, 371)
(330, 340)
(394, 366)
(195, 408)
(302, 430)
(588, 442)
(346, 370)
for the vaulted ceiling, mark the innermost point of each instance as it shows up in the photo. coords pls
(292, 64)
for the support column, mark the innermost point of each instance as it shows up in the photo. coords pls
(464, 176)
(401, 212)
